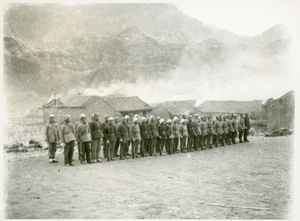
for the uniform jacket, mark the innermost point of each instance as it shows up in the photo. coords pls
(110, 132)
(183, 131)
(96, 132)
(67, 131)
(123, 132)
(135, 131)
(52, 132)
(218, 127)
(247, 122)
(83, 132)
(241, 124)
(190, 128)
(203, 128)
(209, 127)
(235, 125)
(153, 130)
(144, 131)
(229, 125)
(162, 131)
(176, 131)
(169, 131)
(198, 127)
(225, 127)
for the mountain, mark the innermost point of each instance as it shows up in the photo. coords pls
(129, 49)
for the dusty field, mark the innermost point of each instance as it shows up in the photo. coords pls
(243, 181)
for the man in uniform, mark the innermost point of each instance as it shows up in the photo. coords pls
(235, 126)
(198, 137)
(123, 134)
(116, 125)
(170, 137)
(225, 130)
(176, 134)
(183, 136)
(247, 127)
(83, 133)
(110, 135)
(210, 132)
(219, 131)
(127, 121)
(52, 138)
(145, 137)
(203, 127)
(153, 136)
(241, 128)
(192, 134)
(135, 136)
(162, 136)
(97, 134)
(104, 138)
(230, 128)
(68, 140)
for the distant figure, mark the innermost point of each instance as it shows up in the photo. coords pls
(117, 145)
(210, 132)
(235, 126)
(219, 131)
(83, 133)
(52, 138)
(162, 136)
(170, 137)
(198, 138)
(203, 126)
(230, 128)
(183, 136)
(68, 139)
(176, 134)
(225, 130)
(110, 136)
(247, 128)
(192, 134)
(145, 137)
(241, 128)
(95, 127)
(135, 136)
(123, 134)
(153, 136)
(103, 125)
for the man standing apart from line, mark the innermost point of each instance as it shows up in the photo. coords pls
(52, 138)
(247, 127)
(83, 133)
(97, 134)
(68, 140)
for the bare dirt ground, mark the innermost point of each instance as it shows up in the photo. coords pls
(243, 181)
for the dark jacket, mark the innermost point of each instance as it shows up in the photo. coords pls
(162, 131)
(190, 128)
(123, 132)
(169, 131)
(95, 128)
(247, 122)
(153, 130)
(52, 132)
(110, 132)
(144, 131)
(203, 128)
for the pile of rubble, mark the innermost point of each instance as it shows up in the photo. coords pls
(281, 132)
(19, 147)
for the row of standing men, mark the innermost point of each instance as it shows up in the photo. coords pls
(149, 136)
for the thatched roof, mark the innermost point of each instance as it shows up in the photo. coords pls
(230, 106)
(133, 103)
(82, 101)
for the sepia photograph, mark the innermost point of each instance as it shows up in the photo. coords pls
(150, 109)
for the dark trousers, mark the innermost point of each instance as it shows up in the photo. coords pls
(176, 142)
(128, 145)
(52, 150)
(157, 147)
(153, 144)
(169, 146)
(246, 132)
(123, 147)
(219, 139)
(183, 144)
(190, 142)
(162, 144)
(208, 142)
(68, 152)
(204, 140)
(96, 148)
(117, 147)
(233, 136)
(86, 152)
(196, 142)
(135, 147)
(241, 133)
(144, 147)
(104, 147)
(110, 147)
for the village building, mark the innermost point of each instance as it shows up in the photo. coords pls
(280, 113)
(88, 105)
(215, 107)
(170, 109)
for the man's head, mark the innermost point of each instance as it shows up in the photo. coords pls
(83, 118)
(51, 118)
(234, 116)
(95, 117)
(246, 114)
(183, 116)
(144, 120)
(196, 116)
(161, 121)
(190, 118)
(67, 118)
(135, 120)
(110, 120)
(169, 121)
(182, 121)
(106, 118)
(242, 115)
(126, 118)
(116, 120)
(152, 118)
(175, 119)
